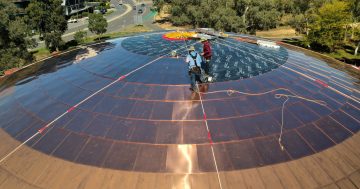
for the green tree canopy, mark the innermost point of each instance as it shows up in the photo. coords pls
(97, 24)
(13, 37)
(228, 15)
(47, 17)
(80, 36)
(328, 28)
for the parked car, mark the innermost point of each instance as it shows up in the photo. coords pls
(103, 10)
(140, 11)
(143, 5)
(72, 20)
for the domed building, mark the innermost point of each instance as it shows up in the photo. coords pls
(119, 114)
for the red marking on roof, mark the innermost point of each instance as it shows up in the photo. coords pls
(209, 137)
(55, 53)
(247, 40)
(321, 83)
(10, 71)
(121, 78)
(42, 130)
(71, 109)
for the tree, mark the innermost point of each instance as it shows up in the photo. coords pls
(97, 24)
(13, 37)
(79, 36)
(218, 14)
(159, 4)
(47, 18)
(242, 7)
(356, 39)
(298, 22)
(355, 15)
(259, 14)
(284, 6)
(226, 19)
(328, 28)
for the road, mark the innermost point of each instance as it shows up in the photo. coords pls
(129, 19)
(113, 23)
(83, 22)
(124, 16)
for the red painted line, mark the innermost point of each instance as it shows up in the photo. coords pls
(71, 109)
(121, 78)
(42, 130)
(209, 137)
(321, 83)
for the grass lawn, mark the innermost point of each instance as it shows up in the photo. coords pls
(40, 53)
(341, 53)
(125, 32)
(346, 54)
(280, 32)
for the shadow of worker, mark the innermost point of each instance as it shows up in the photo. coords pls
(203, 88)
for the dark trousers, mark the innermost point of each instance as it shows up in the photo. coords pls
(193, 78)
(206, 65)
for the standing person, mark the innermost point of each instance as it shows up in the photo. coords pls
(207, 55)
(193, 59)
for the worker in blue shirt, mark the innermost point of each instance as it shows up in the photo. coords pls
(194, 61)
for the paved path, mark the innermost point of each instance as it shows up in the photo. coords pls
(113, 23)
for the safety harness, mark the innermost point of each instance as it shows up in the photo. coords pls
(197, 68)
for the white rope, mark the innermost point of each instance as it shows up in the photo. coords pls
(277, 96)
(211, 143)
(282, 124)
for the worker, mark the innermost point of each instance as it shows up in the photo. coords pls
(193, 59)
(207, 55)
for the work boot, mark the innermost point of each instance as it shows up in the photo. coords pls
(194, 89)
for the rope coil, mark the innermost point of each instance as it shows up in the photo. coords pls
(287, 97)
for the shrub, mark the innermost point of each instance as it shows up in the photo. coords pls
(80, 36)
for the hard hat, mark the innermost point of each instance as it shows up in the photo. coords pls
(191, 48)
(203, 39)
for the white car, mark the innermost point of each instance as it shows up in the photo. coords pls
(72, 20)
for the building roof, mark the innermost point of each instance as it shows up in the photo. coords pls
(125, 106)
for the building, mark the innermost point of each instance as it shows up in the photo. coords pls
(21, 3)
(71, 6)
(74, 6)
